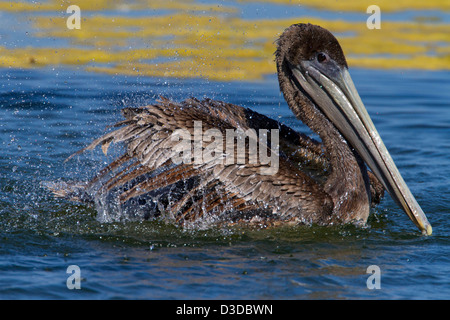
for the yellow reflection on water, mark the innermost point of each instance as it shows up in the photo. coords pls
(361, 5)
(213, 41)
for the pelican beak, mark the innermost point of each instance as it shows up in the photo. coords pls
(333, 91)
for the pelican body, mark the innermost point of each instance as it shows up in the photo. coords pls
(322, 183)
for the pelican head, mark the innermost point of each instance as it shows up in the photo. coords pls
(313, 75)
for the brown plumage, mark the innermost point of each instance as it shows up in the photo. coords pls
(228, 192)
(316, 182)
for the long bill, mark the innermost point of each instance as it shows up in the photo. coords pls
(338, 99)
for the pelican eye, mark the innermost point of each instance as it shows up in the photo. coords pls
(322, 57)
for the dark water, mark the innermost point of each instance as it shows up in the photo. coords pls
(45, 115)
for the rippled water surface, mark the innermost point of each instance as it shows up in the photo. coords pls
(47, 114)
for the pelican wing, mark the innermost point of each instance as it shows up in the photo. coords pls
(210, 187)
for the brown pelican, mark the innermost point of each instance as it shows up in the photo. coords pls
(314, 182)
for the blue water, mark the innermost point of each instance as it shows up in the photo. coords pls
(47, 114)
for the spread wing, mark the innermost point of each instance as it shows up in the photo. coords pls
(168, 170)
